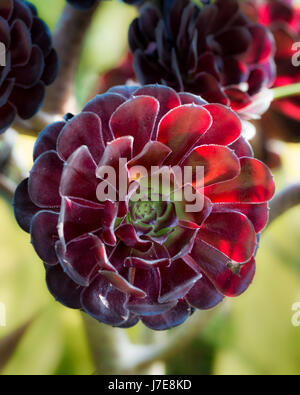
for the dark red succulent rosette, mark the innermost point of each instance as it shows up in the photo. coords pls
(213, 51)
(282, 17)
(30, 61)
(147, 260)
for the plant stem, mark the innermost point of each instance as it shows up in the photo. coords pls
(113, 353)
(169, 345)
(286, 91)
(35, 125)
(103, 342)
(68, 40)
(7, 187)
(286, 199)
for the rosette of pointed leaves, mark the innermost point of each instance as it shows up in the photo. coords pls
(213, 51)
(126, 260)
(28, 61)
(282, 17)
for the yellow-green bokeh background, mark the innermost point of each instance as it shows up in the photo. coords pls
(255, 337)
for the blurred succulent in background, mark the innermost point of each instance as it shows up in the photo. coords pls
(120, 75)
(145, 259)
(133, 1)
(83, 4)
(282, 17)
(213, 51)
(86, 4)
(30, 61)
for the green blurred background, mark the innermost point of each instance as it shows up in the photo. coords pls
(255, 335)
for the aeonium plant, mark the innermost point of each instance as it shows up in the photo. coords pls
(210, 49)
(153, 252)
(30, 61)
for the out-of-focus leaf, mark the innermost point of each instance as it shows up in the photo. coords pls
(9, 343)
(40, 350)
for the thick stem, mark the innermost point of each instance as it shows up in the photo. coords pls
(167, 345)
(288, 198)
(68, 40)
(35, 125)
(7, 187)
(286, 91)
(104, 345)
(114, 354)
